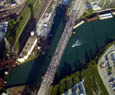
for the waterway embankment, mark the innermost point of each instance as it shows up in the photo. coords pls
(92, 36)
(32, 71)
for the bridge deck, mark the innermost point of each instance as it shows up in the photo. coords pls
(55, 61)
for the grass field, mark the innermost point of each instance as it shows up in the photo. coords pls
(17, 26)
(26, 14)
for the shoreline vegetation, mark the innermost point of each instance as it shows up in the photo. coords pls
(93, 83)
(15, 27)
(89, 13)
(88, 16)
(71, 80)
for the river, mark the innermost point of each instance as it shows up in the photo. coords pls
(92, 36)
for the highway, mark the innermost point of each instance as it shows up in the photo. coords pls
(55, 61)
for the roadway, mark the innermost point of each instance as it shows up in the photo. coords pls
(55, 61)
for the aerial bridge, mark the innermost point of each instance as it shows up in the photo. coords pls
(55, 61)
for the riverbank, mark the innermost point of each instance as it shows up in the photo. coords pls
(88, 72)
(34, 69)
(93, 35)
(91, 16)
(93, 83)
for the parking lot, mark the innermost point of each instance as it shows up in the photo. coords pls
(106, 69)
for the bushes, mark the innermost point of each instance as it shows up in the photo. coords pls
(65, 84)
(10, 35)
(104, 50)
(93, 82)
(87, 13)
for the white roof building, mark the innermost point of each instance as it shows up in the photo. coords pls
(95, 6)
(27, 50)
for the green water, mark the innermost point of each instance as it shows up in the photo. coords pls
(31, 72)
(92, 36)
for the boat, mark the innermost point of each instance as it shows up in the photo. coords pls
(77, 43)
(105, 16)
(79, 24)
(91, 18)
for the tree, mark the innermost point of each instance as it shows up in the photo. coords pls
(62, 86)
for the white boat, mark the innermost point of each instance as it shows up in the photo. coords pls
(77, 43)
(105, 16)
(77, 25)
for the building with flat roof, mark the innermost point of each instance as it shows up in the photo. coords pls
(78, 89)
(27, 50)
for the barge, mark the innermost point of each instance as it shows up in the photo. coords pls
(92, 19)
(78, 24)
(105, 16)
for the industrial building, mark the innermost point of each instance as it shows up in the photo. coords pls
(43, 28)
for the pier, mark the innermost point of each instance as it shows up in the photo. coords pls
(55, 61)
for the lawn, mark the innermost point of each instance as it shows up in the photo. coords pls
(25, 15)
(17, 26)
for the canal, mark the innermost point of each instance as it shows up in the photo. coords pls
(31, 72)
(92, 36)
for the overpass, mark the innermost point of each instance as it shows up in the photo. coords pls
(55, 61)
